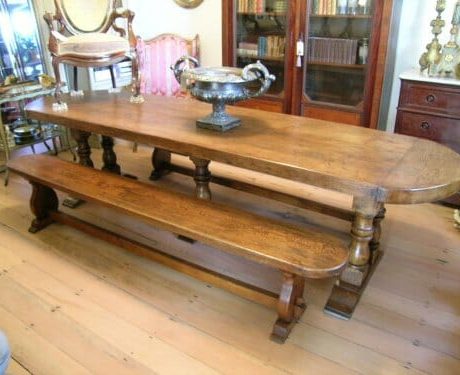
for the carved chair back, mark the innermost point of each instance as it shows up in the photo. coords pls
(156, 55)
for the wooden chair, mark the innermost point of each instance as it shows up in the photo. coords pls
(156, 55)
(79, 37)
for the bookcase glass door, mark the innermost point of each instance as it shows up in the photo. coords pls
(261, 27)
(337, 47)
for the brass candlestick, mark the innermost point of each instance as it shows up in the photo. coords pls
(451, 51)
(432, 57)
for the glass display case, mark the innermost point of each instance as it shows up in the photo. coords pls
(20, 51)
(260, 30)
(261, 35)
(338, 36)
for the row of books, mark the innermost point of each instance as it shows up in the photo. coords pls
(332, 50)
(261, 6)
(251, 6)
(266, 46)
(335, 7)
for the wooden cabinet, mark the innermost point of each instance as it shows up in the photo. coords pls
(338, 77)
(430, 108)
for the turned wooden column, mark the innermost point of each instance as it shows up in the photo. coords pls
(109, 157)
(83, 148)
(374, 244)
(202, 178)
(161, 160)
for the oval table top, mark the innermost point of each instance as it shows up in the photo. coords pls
(390, 168)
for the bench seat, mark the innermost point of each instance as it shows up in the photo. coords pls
(298, 253)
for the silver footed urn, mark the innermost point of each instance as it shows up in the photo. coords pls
(220, 86)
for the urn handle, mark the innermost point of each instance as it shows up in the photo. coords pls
(178, 70)
(261, 71)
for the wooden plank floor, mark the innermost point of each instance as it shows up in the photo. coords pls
(71, 304)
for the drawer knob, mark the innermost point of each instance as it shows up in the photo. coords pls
(425, 125)
(430, 98)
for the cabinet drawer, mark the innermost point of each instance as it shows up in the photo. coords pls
(431, 98)
(440, 129)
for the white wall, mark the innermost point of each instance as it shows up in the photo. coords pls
(155, 17)
(414, 35)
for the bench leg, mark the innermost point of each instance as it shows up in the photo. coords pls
(42, 201)
(108, 156)
(202, 178)
(291, 306)
(161, 159)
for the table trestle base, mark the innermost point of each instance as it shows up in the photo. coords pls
(345, 297)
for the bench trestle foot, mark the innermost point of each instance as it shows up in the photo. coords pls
(291, 306)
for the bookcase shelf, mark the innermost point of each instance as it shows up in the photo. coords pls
(269, 14)
(341, 16)
(267, 58)
(346, 66)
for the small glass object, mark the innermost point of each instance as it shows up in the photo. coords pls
(352, 7)
(363, 51)
(342, 6)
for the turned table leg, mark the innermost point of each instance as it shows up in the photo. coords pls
(365, 237)
(109, 157)
(374, 244)
(83, 147)
(291, 306)
(84, 158)
(161, 159)
(42, 201)
(202, 178)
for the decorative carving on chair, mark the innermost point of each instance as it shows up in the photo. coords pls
(80, 40)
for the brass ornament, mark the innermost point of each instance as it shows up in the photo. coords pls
(432, 57)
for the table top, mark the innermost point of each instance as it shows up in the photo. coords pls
(363, 162)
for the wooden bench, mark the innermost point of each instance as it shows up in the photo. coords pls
(296, 252)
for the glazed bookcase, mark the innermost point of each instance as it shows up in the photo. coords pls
(328, 59)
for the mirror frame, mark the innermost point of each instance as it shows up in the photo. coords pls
(188, 3)
(72, 28)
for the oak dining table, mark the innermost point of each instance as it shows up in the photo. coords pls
(374, 167)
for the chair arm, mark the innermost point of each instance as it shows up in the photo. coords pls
(129, 16)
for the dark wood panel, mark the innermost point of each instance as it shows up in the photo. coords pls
(329, 114)
(431, 110)
(430, 97)
(440, 129)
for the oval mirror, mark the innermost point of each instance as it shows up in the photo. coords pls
(86, 15)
